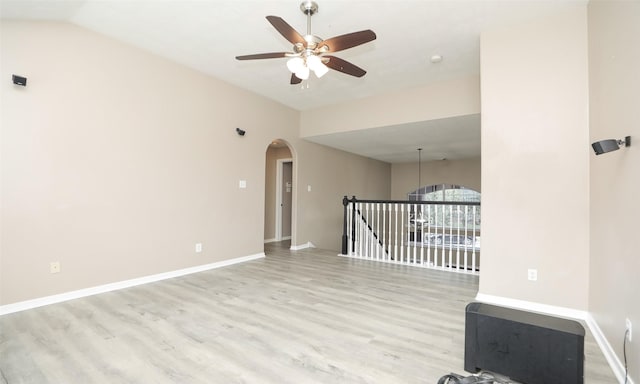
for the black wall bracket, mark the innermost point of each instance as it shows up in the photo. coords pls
(19, 80)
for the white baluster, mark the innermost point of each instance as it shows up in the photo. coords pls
(377, 232)
(466, 235)
(443, 250)
(450, 236)
(395, 246)
(436, 218)
(401, 233)
(430, 245)
(382, 235)
(473, 255)
(415, 232)
(363, 230)
(421, 237)
(458, 234)
(368, 231)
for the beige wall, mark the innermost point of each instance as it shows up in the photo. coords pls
(273, 155)
(333, 174)
(115, 162)
(457, 97)
(614, 59)
(404, 176)
(535, 158)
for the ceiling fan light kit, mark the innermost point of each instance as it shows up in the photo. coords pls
(309, 51)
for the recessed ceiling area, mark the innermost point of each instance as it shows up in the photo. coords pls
(451, 138)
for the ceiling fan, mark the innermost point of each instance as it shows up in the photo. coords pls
(310, 52)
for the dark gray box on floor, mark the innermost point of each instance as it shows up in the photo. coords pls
(527, 347)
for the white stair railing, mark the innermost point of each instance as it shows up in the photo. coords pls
(431, 234)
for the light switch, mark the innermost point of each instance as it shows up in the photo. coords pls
(243, 184)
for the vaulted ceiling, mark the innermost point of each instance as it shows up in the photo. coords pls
(207, 35)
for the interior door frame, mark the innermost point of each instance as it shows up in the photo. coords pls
(279, 176)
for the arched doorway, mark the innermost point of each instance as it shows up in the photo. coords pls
(280, 193)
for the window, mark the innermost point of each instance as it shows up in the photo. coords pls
(444, 192)
(447, 215)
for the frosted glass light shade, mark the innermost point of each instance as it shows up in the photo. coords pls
(295, 64)
(321, 70)
(314, 62)
(303, 73)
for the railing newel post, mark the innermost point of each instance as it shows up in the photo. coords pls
(353, 224)
(345, 202)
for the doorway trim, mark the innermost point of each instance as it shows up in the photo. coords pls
(279, 175)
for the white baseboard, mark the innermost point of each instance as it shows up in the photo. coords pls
(42, 301)
(607, 350)
(303, 246)
(614, 362)
(533, 306)
(285, 238)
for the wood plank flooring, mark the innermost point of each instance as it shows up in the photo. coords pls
(294, 317)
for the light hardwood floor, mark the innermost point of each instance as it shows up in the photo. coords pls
(294, 317)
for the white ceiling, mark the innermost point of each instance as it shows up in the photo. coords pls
(451, 138)
(207, 35)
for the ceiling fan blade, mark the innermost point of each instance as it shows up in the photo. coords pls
(295, 80)
(344, 66)
(286, 30)
(349, 40)
(271, 55)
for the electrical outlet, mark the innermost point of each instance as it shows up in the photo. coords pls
(54, 267)
(532, 274)
(628, 329)
(198, 247)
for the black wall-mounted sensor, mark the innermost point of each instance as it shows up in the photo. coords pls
(19, 80)
(240, 131)
(604, 146)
